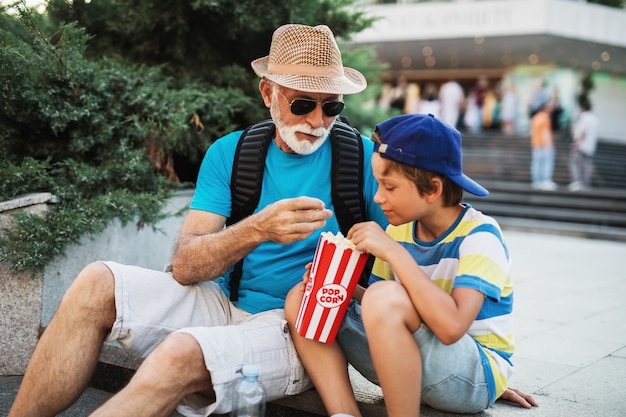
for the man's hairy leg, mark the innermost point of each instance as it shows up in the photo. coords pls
(66, 355)
(173, 370)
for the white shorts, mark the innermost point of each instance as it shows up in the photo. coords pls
(152, 304)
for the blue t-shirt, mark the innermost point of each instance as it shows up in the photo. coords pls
(272, 269)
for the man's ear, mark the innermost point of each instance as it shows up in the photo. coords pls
(265, 87)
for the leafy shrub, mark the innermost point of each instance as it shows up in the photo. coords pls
(101, 135)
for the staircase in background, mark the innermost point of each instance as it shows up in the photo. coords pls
(502, 165)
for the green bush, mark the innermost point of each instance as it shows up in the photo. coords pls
(100, 135)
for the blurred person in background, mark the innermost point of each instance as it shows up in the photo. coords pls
(542, 144)
(508, 109)
(557, 113)
(429, 101)
(585, 135)
(476, 100)
(395, 96)
(451, 96)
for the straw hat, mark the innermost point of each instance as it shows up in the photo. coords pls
(307, 58)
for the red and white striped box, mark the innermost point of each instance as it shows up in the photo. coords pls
(337, 266)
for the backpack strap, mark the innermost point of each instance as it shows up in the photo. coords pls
(347, 176)
(248, 167)
(347, 183)
(245, 182)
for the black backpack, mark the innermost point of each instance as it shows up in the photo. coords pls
(346, 191)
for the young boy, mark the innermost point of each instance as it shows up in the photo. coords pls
(435, 324)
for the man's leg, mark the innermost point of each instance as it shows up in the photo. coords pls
(173, 370)
(68, 351)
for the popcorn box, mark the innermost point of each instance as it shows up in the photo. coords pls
(335, 272)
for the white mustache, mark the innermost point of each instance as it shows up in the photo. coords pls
(319, 132)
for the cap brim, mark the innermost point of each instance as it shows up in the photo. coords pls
(469, 185)
(351, 83)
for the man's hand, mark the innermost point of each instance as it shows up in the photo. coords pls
(292, 219)
(518, 397)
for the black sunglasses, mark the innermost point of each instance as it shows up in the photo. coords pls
(303, 106)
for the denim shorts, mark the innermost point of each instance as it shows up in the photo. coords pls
(453, 376)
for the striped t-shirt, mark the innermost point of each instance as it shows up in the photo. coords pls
(471, 253)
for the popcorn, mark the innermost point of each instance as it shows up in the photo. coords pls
(337, 266)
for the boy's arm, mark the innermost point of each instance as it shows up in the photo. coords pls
(449, 316)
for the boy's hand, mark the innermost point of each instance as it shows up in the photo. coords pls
(371, 238)
(306, 277)
(519, 397)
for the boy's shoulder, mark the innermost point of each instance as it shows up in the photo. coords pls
(473, 220)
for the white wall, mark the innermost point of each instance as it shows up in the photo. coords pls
(609, 103)
(145, 247)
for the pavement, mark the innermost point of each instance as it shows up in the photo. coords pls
(570, 331)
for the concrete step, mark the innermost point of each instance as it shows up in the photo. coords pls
(598, 213)
(492, 156)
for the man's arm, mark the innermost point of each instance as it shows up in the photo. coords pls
(206, 250)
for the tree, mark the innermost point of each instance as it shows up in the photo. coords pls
(210, 43)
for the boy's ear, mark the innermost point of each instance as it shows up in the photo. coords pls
(437, 183)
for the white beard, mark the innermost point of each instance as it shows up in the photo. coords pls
(288, 133)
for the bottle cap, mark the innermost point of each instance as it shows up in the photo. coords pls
(250, 370)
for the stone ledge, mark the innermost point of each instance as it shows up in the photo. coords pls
(30, 300)
(21, 293)
(26, 200)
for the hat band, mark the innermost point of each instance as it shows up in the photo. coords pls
(315, 71)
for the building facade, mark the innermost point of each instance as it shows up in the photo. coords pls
(566, 47)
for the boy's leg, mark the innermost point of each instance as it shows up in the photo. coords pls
(66, 355)
(390, 320)
(325, 363)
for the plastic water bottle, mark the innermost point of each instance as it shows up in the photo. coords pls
(249, 394)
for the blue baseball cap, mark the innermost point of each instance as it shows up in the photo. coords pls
(422, 141)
